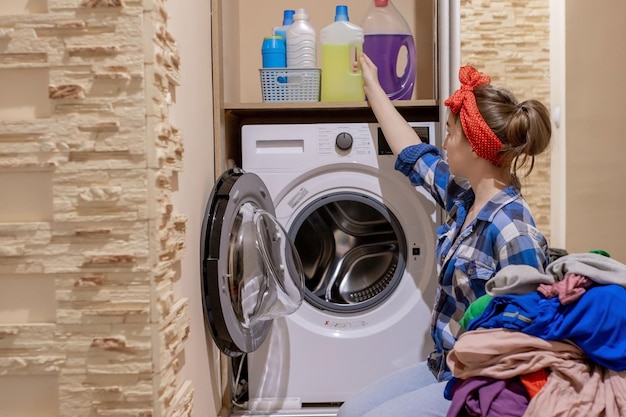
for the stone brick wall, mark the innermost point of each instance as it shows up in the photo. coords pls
(110, 247)
(509, 40)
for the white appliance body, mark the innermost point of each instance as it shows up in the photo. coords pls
(325, 353)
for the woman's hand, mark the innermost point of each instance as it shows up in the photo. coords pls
(370, 74)
(397, 131)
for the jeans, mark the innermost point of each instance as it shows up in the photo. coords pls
(409, 392)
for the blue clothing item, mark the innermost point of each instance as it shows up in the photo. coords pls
(408, 392)
(596, 322)
(516, 312)
(502, 234)
(447, 391)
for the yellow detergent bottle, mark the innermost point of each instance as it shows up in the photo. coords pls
(342, 43)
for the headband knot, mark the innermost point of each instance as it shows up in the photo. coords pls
(483, 140)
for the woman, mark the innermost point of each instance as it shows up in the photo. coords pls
(489, 137)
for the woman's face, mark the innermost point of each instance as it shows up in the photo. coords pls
(459, 151)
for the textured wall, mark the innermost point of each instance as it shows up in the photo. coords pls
(509, 40)
(106, 254)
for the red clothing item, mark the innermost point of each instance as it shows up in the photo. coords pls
(534, 381)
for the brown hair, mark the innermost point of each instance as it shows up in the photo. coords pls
(524, 128)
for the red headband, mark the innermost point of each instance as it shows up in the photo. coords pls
(484, 142)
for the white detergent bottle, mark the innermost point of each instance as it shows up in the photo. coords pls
(301, 42)
(342, 43)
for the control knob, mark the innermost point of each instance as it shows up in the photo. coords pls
(344, 141)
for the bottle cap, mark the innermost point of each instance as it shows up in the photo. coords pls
(341, 14)
(381, 3)
(273, 43)
(288, 17)
(301, 14)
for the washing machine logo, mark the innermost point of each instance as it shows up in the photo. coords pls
(345, 324)
(298, 196)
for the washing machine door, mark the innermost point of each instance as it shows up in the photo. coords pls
(245, 256)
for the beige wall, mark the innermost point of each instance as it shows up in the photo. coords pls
(593, 114)
(192, 111)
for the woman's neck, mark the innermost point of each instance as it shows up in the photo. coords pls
(488, 182)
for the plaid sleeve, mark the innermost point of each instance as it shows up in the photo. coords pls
(423, 165)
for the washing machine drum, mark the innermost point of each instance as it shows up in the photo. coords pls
(251, 272)
(353, 250)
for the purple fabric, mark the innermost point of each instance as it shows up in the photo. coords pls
(488, 397)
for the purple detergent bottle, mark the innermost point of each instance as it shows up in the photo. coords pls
(389, 42)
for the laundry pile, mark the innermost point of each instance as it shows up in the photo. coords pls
(544, 345)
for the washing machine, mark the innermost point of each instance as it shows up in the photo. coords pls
(341, 258)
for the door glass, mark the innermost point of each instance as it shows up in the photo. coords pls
(259, 257)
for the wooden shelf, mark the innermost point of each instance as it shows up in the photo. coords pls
(323, 105)
(323, 112)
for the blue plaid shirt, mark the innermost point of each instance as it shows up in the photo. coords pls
(502, 234)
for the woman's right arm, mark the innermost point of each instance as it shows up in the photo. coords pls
(397, 131)
(422, 165)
